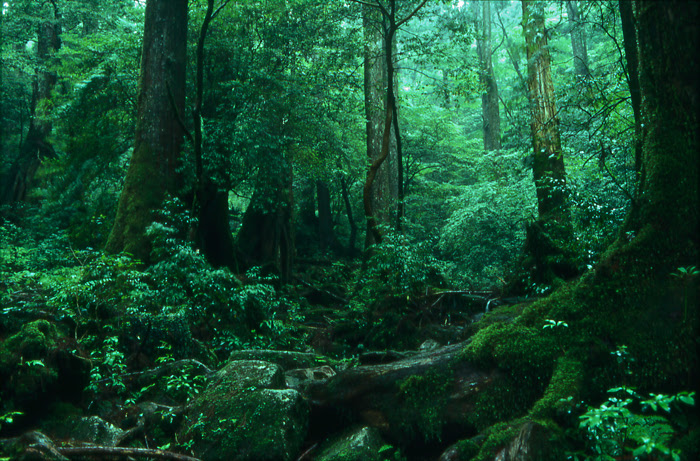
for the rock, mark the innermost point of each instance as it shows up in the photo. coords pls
(241, 374)
(286, 359)
(37, 365)
(360, 444)
(302, 377)
(243, 414)
(413, 398)
(91, 429)
(463, 450)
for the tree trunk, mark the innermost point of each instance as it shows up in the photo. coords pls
(266, 238)
(578, 40)
(351, 220)
(489, 89)
(213, 230)
(631, 56)
(548, 237)
(631, 297)
(36, 146)
(152, 172)
(381, 186)
(325, 218)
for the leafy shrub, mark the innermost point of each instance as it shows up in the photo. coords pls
(613, 429)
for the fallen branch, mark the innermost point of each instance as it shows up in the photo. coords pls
(124, 452)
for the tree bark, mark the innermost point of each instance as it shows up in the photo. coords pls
(152, 173)
(325, 218)
(578, 40)
(351, 220)
(545, 248)
(491, 120)
(213, 230)
(36, 146)
(631, 56)
(266, 237)
(380, 191)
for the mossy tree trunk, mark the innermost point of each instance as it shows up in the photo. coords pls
(36, 146)
(631, 297)
(152, 173)
(546, 256)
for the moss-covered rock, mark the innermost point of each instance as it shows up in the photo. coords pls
(464, 450)
(38, 364)
(242, 374)
(358, 444)
(92, 429)
(286, 359)
(243, 414)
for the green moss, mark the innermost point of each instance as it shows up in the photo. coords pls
(466, 449)
(545, 441)
(566, 382)
(247, 424)
(422, 404)
(514, 347)
(32, 342)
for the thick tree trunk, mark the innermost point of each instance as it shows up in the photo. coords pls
(578, 40)
(631, 297)
(36, 146)
(548, 237)
(159, 132)
(489, 88)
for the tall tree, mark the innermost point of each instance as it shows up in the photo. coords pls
(553, 230)
(381, 190)
(213, 231)
(378, 13)
(152, 173)
(491, 119)
(36, 146)
(578, 39)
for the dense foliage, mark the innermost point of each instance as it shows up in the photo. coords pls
(283, 125)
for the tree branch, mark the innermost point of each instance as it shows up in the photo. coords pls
(123, 452)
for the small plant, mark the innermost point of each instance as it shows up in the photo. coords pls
(8, 418)
(686, 275)
(549, 323)
(613, 429)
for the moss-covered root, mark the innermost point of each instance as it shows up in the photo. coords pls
(563, 390)
(523, 439)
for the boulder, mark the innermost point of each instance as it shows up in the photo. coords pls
(286, 359)
(358, 444)
(246, 414)
(38, 365)
(421, 397)
(90, 429)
